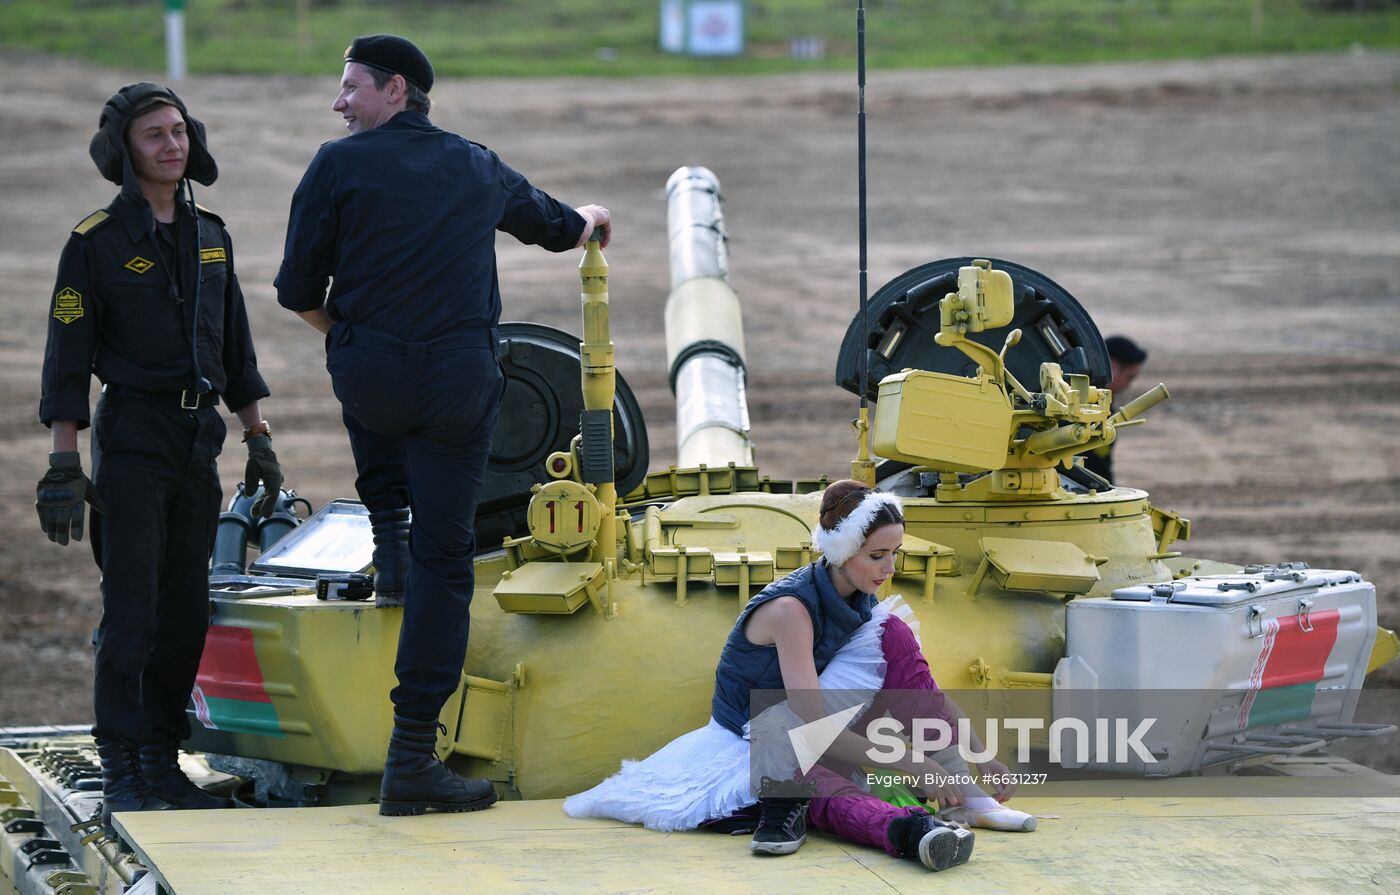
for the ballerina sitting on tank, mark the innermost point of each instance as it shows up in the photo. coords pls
(820, 635)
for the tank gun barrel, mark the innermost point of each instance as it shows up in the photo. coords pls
(699, 245)
(704, 327)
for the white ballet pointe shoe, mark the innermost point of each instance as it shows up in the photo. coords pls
(1003, 818)
(989, 817)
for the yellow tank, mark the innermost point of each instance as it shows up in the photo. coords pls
(597, 623)
(596, 628)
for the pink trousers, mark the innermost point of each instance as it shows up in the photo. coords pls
(842, 808)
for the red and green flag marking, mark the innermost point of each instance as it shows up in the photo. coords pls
(229, 691)
(1292, 659)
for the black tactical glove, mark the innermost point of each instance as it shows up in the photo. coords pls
(59, 497)
(262, 467)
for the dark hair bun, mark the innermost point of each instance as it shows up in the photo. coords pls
(839, 500)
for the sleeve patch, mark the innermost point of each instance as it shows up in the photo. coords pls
(68, 305)
(213, 256)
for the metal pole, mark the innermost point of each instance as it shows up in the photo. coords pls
(175, 39)
(862, 467)
(860, 155)
(303, 30)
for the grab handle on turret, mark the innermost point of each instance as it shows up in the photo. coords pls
(1050, 441)
(598, 372)
(1140, 405)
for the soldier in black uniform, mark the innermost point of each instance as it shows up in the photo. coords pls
(147, 299)
(1126, 359)
(402, 217)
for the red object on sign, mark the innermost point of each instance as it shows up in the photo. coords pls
(1299, 656)
(229, 668)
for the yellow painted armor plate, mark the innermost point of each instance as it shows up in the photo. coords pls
(1084, 844)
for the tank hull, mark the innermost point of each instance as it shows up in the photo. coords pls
(551, 703)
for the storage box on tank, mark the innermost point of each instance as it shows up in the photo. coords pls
(1265, 662)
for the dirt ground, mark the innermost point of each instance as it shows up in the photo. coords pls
(1241, 218)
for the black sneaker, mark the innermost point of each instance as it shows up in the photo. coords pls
(782, 826)
(936, 844)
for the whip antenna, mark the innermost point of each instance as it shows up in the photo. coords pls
(862, 468)
(860, 165)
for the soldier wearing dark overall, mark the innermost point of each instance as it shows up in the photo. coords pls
(147, 299)
(399, 220)
(1126, 359)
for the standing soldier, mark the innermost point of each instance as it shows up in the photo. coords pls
(403, 217)
(147, 299)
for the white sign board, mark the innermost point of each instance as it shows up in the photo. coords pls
(715, 28)
(673, 26)
(702, 27)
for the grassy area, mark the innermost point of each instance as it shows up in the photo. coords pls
(619, 37)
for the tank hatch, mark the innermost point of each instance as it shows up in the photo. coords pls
(904, 319)
(539, 416)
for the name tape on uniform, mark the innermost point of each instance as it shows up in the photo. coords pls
(212, 256)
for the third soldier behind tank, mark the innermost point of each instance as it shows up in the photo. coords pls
(1126, 359)
(400, 219)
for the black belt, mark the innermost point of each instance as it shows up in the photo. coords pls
(185, 399)
(484, 337)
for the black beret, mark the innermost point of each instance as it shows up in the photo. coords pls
(1125, 350)
(394, 54)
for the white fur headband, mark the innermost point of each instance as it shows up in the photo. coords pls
(842, 542)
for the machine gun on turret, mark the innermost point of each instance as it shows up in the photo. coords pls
(990, 422)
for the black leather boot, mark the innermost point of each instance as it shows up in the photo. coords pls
(415, 780)
(123, 787)
(160, 766)
(391, 557)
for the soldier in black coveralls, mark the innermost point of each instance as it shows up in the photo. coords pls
(1126, 359)
(147, 298)
(399, 219)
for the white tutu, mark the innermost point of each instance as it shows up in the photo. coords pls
(705, 774)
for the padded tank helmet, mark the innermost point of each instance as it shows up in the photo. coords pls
(108, 147)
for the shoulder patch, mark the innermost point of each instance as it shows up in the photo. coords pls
(68, 305)
(91, 222)
(205, 211)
